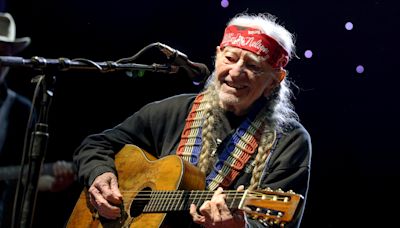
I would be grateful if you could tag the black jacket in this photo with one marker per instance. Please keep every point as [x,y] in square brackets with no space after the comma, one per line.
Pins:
[157,128]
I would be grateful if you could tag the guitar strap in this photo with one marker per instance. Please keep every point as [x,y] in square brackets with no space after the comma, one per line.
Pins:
[239,148]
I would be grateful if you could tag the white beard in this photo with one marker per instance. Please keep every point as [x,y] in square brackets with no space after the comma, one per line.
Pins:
[227,99]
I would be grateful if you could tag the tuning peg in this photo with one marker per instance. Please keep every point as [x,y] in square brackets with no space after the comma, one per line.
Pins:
[271,222]
[268,189]
[264,222]
[276,222]
[291,191]
[280,190]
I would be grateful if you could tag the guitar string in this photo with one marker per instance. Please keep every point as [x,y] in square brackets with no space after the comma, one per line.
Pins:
[198,195]
[177,196]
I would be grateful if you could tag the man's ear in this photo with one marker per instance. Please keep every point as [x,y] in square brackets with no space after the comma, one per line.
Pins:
[218,49]
[281,74]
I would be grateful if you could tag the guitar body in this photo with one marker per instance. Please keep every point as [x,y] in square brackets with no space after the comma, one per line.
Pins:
[138,171]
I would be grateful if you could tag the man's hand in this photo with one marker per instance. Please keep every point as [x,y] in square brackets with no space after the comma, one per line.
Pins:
[215,212]
[104,195]
[61,177]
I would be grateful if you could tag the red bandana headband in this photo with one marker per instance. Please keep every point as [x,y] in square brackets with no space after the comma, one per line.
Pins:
[257,42]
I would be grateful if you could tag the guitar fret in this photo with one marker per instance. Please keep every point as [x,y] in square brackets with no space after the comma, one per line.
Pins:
[193,196]
[198,198]
[164,200]
[146,208]
[149,205]
[154,200]
[184,200]
[161,201]
[235,200]
[158,201]
[151,202]
[171,200]
[176,202]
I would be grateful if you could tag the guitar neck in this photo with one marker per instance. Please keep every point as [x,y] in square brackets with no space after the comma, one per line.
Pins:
[170,201]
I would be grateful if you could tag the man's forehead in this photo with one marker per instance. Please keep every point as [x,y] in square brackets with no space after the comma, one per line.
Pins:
[244,52]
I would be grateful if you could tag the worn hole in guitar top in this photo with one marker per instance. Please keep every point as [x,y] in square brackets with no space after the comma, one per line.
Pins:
[139,202]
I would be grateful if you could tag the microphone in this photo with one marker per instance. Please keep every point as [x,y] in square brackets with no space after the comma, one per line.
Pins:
[198,72]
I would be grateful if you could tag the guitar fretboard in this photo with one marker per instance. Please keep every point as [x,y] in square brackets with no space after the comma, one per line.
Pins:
[169,201]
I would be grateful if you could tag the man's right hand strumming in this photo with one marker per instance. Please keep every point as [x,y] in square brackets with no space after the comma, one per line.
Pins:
[104,195]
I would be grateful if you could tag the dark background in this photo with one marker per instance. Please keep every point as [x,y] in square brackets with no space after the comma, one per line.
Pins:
[352,118]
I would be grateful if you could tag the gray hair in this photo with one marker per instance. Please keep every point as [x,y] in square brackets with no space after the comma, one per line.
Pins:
[280,106]
[268,24]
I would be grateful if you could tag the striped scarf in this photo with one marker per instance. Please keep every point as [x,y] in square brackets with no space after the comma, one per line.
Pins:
[238,149]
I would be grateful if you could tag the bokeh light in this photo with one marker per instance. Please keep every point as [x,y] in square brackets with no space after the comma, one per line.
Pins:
[348,26]
[224,3]
[308,54]
[360,69]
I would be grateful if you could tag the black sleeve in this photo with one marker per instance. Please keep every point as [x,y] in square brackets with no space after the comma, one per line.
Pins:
[289,168]
[155,128]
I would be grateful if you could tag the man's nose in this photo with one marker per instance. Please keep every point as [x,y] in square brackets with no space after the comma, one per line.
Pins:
[237,69]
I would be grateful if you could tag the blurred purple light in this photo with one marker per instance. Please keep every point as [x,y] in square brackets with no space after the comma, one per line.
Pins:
[308,54]
[224,3]
[349,26]
[360,69]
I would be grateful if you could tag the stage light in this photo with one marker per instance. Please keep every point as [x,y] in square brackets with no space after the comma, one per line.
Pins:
[225,3]
[349,26]
[360,69]
[308,54]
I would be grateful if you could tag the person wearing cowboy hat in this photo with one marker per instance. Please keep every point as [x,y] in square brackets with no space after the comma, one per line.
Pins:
[14,115]
[14,111]
[9,44]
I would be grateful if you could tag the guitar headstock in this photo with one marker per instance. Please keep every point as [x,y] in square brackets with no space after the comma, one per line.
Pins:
[269,206]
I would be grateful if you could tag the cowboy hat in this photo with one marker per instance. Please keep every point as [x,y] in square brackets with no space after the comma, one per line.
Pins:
[8,42]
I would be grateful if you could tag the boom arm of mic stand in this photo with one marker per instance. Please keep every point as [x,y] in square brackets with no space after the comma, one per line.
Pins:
[64,64]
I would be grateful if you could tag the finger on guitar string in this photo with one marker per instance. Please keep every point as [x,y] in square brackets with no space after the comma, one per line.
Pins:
[217,214]
[219,209]
[240,188]
[104,208]
[197,218]
[107,184]
[115,190]
[104,195]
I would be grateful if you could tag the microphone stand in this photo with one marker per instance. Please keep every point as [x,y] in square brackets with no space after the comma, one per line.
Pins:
[40,134]
[37,151]
[64,64]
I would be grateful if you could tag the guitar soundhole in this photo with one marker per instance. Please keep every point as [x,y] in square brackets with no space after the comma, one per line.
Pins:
[139,202]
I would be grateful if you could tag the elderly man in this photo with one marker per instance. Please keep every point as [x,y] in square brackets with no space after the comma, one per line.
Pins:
[241,131]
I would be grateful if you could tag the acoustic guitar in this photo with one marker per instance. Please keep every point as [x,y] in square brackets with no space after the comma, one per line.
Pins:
[156,190]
